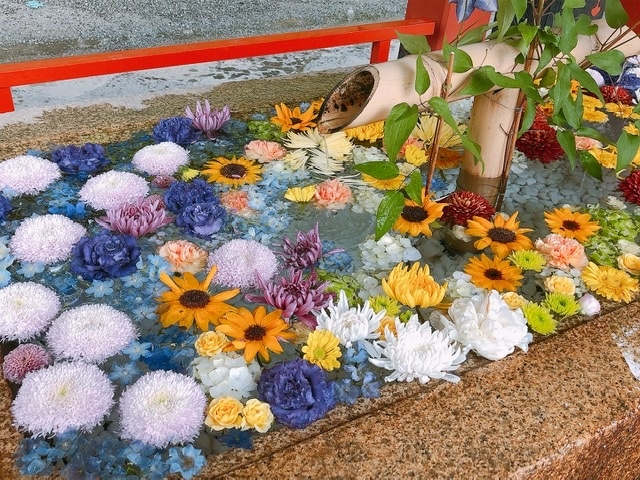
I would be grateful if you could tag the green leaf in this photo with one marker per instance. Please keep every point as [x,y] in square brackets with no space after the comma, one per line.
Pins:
[479,83]
[398,126]
[519,7]
[502,80]
[383,170]
[592,133]
[423,81]
[414,187]
[388,212]
[473,147]
[615,14]
[627,148]
[585,80]
[528,33]
[610,61]
[528,116]
[585,26]
[414,44]
[505,16]
[573,3]
[568,37]
[549,52]
[462,61]
[475,35]
[572,110]
[441,107]
[590,164]
[567,141]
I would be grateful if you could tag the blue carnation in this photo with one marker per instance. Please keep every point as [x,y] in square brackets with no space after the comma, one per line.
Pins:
[177,130]
[88,158]
[202,219]
[107,255]
[180,194]
[5,207]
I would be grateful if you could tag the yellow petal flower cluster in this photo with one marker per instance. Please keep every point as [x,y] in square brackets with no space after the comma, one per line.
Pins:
[426,129]
[228,412]
[371,132]
[300,194]
[610,282]
[413,287]
[322,349]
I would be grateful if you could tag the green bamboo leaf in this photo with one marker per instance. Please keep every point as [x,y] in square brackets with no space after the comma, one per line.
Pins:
[502,80]
[528,116]
[423,81]
[627,148]
[615,14]
[572,110]
[519,7]
[383,170]
[388,212]
[414,187]
[398,126]
[568,38]
[528,34]
[590,164]
[414,44]
[610,61]
[567,141]
[475,35]
[479,83]
[573,3]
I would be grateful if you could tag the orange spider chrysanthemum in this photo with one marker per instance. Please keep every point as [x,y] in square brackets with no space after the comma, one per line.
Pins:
[189,300]
[502,235]
[295,119]
[494,273]
[570,224]
[416,219]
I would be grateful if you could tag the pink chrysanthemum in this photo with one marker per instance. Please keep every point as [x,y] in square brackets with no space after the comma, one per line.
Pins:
[27,309]
[27,174]
[111,189]
[162,408]
[137,217]
[163,158]
[242,263]
[64,396]
[630,187]
[264,151]
[206,119]
[91,333]
[45,238]
[463,206]
[23,359]
[305,253]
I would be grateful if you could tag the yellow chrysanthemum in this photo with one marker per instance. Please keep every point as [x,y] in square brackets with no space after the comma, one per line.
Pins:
[416,219]
[390,184]
[189,300]
[371,132]
[235,171]
[570,224]
[591,102]
[415,155]
[257,333]
[295,119]
[594,116]
[323,349]
[300,194]
[631,129]
[426,129]
[621,111]
[610,282]
[448,158]
[493,273]
[188,174]
[413,287]
[607,156]
[502,235]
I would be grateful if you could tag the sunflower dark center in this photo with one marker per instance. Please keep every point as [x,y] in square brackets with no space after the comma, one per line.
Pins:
[501,235]
[493,274]
[571,225]
[414,214]
[255,332]
[194,299]
[233,170]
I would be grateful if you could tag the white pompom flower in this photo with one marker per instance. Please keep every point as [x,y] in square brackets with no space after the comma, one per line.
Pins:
[111,189]
[27,310]
[163,158]
[28,174]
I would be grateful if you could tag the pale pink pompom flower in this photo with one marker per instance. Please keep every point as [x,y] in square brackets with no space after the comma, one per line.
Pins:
[333,194]
[184,256]
[24,359]
[561,252]
[264,151]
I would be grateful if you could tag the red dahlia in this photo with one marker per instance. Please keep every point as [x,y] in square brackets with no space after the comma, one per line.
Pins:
[539,142]
[614,94]
[630,187]
[463,206]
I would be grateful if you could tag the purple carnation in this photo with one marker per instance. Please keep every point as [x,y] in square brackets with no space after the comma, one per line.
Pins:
[5,207]
[107,255]
[138,217]
[88,158]
[202,219]
[180,194]
[24,359]
[177,130]
[298,392]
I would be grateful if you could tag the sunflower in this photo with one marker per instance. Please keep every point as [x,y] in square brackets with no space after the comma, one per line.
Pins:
[610,282]
[235,171]
[189,300]
[493,274]
[295,119]
[413,287]
[415,219]
[502,235]
[570,224]
[256,332]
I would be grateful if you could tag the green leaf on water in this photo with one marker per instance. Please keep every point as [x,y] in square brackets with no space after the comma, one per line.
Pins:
[388,212]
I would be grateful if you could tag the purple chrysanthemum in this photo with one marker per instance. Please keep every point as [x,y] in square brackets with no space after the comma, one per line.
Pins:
[28,174]
[242,263]
[162,408]
[23,359]
[206,119]
[296,296]
[45,238]
[137,217]
[111,189]
[27,309]
[161,159]
[91,333]
[64,396]
[306,252]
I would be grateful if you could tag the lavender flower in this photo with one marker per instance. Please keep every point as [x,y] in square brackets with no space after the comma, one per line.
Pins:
[88,158]
[202,219]
[138,217]
[24,359]
[208,120]
[305,253]
[27,309]
[107,255]
[241,263]
[175,129]
[5,207]
[110,189]
[161,159]
[180,194]
[28,174]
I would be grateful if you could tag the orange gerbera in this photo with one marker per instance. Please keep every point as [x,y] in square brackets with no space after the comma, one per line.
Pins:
[502,235]
[570,224]
[295,119]
[493,273]
[416,219]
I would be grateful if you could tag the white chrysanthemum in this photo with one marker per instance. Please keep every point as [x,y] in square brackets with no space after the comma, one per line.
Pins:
[162,408]
[486,325]
[323,153]
[241,262]
[416,352]
[359,324]
[45,238]
[111,189]
[163,158]
[226,374]
[64,396]
[27,174]
[91,333]
[27,308]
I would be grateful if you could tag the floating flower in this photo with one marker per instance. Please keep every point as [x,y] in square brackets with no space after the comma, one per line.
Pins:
[28,174]
[493,273]
[264,151]
[502,235]
[257,333]
[630,263]
[415,154]
[202,220]
[137,217]
[616,94]
[559,284]
[180,194]
[111,189]
[333,194]
[630,187]
[607,156]
[295,119]
[257,415]
[461,206]
[24,359]
[46,238]
[514,300]
[570,224]
[224,412]
[561,304]
[236,202]
[90,333]
[27,310]
[301,194]
[416,219]
[189,300]
[610,282]
[426,129]
[226,374]
[163,158]
[206,119]
[386,184]
[325,154]
[487,325]
[243,263]
[5,207]
[88,158]
[413,287]
[416,352]
[178,130]
[562,252]
[62,397]
[105,255]
[589,305]
[540,141]
[371,132]
[305,253]
[539,318]
[184,256]
[322,349]
[531,260]
[211,343]
[234,172]
[162,408]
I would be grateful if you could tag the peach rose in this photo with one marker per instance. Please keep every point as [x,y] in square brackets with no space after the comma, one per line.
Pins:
[563,253]
[236,201]
[257,415]
[264,151]
[556,283]
[587,143]
[333,194]
[224,412]
[630,263]
[211,343]
[184,256]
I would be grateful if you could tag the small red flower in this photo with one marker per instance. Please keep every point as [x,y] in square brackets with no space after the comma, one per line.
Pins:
[463,206]
[630,187]
[615,94]
[539,142]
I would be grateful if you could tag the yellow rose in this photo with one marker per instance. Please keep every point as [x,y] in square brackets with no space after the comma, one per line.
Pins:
[224,412]
[257,415]
[556,283]
[513,300]
[211,343]
[630,263]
